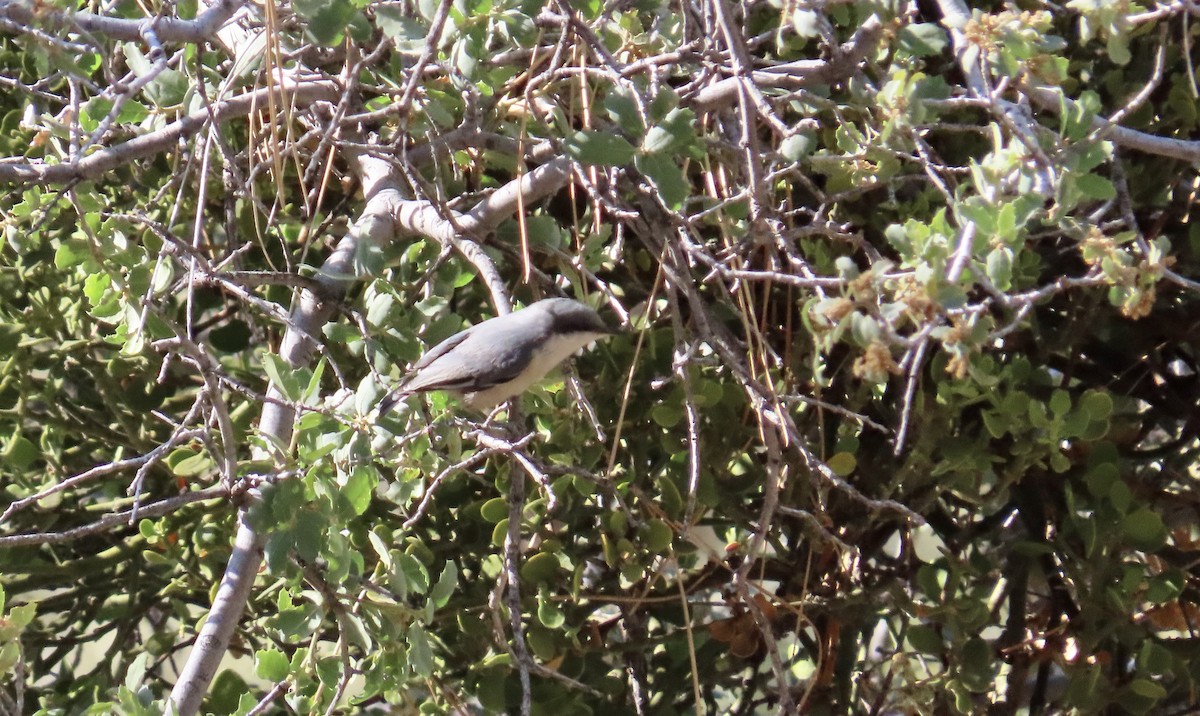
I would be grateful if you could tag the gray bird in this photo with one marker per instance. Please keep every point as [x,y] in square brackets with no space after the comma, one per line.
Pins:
[502,357]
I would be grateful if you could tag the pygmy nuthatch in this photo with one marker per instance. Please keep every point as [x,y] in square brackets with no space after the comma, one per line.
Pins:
[500,358]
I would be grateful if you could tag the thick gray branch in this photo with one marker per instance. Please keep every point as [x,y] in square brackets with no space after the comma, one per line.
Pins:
[312,311]
[385,215]
[168,29]
[1052,100]
[796,75]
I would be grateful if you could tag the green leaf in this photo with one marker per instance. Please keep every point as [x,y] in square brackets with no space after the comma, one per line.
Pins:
[999,267]
[669,500]
[1147,689]
[465,55]
[981,213]
[189,462]
[95,287]
[356,632]
[1075,424]
[283,376]
[309,534]
[271,665]
[843,464]
[662,104]
[996,424]
[798,146]
[10,654]
[658,140]
[1120,496]
[169,88]
[379,308]
[667,416]
[415,573]
[314,382]
[1165,587]
[673,134]
[71,253]
[657,536]
[543,230]
[1101,478]
[666,176]
[494,510]
[1097,404]
[951,296]
[500,532]
[283,499]
[440,594]
[923,39]
[1092,186]
[1118,49]
[10,338]
[399,26]
[359,488]
[925,638]
[1060,402]
[543,643]
[978,669]
[623,110]
[326,18]
[549,613]
[1084,689]
[136,672]
[420,655]
[1075,117]
[20,452]
[1155,658]
[1144,527]
[599,148]
[132,113]
[541,567]
[490,687]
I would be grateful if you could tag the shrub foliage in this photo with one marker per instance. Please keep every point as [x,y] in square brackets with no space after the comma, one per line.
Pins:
[904,418]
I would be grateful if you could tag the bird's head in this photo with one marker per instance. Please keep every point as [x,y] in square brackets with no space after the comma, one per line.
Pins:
[569,316]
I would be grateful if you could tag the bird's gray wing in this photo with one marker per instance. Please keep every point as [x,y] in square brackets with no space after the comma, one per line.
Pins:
[477,362]
[442,348]
[421,377]
[503,367]
[439,368]
[415,381]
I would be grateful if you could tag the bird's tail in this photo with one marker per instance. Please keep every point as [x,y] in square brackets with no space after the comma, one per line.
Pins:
[391,399]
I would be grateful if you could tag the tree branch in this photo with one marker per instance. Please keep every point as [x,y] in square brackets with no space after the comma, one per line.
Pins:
[97,163]
[795,75]
[154,509]
[168,29]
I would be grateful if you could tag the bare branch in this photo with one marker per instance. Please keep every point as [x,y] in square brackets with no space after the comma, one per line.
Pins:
[97,163]
[796,75]
[114,519]
[168,29]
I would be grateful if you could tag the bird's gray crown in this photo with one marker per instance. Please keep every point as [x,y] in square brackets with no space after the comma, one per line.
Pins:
[571,316]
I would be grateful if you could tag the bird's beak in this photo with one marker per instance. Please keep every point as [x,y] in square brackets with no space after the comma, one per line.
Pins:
[618,331]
